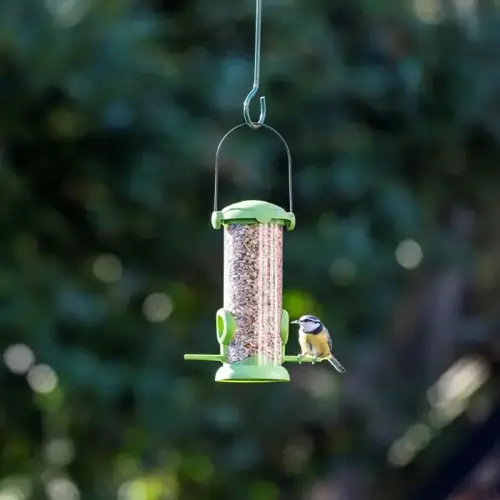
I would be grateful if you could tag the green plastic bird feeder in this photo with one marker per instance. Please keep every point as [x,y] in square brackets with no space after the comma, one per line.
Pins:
[252,326]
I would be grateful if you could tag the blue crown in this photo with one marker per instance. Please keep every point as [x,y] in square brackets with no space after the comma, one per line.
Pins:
[309,317]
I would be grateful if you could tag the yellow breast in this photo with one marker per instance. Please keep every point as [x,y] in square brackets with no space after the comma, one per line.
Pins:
[320,343]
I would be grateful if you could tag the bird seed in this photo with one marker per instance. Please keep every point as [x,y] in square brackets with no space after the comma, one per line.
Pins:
[253,267]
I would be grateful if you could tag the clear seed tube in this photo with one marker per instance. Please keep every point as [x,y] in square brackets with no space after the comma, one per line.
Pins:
[253,283]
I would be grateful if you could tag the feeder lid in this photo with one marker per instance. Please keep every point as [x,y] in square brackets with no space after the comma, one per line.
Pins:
[252,211]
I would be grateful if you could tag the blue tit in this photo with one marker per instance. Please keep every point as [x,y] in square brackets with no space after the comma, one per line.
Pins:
[315,340]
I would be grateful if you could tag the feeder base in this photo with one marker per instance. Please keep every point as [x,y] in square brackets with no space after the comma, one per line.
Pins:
[239,373]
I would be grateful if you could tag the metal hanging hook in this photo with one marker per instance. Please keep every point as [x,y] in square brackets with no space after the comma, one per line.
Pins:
[256,74]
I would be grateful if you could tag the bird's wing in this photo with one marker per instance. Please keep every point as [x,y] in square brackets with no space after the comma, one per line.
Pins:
[330,345]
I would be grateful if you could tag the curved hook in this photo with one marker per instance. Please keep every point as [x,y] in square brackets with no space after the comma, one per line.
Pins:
[246,109]
[256,74]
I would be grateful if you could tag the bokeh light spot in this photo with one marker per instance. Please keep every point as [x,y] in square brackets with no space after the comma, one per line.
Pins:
[409,254]
[12,493]
[157,307]
[16,488]
[420,432]
[429,11]
[62,489]
[67,13]
[399,455]
[132,490]
[149,488]
[108,268]
[18,358]
[59,452]
[42,379]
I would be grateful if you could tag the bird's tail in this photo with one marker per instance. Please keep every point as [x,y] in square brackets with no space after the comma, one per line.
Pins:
[336,364]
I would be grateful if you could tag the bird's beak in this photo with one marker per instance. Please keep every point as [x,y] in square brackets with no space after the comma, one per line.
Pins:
[296,322]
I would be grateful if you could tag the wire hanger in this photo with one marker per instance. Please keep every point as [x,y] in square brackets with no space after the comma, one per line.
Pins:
[246,113]
[256,74]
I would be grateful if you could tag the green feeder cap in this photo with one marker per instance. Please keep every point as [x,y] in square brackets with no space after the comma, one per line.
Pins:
[251,212]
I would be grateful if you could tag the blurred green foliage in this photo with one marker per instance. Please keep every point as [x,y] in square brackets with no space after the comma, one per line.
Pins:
[110,270]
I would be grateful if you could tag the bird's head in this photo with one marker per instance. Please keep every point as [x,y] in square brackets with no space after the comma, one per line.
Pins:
[309,324]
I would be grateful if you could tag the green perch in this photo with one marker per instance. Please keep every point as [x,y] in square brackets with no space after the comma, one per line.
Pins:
[218,357]
[250,370]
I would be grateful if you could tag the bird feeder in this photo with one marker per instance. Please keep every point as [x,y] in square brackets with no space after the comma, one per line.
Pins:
[252,326]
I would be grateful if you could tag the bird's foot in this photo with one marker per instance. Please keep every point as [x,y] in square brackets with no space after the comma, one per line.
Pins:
[315,359]
[300,356]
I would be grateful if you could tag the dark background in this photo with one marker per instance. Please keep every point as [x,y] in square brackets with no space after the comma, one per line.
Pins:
[110,114]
